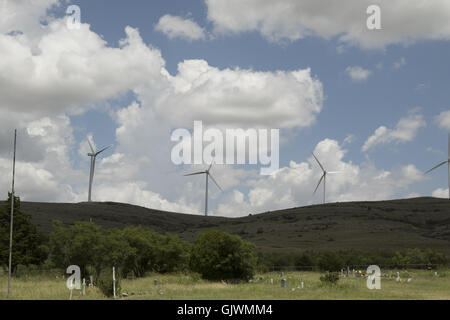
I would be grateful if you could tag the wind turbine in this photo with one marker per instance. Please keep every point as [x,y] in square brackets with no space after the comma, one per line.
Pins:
[323,177]
[442,163]
[93,155]
[208,175]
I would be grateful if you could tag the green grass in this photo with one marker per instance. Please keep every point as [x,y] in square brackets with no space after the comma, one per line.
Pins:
[177,286]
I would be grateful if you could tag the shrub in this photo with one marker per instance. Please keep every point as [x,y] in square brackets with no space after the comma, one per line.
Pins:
[195,277]
[218,255]
[105,283]
[330,278]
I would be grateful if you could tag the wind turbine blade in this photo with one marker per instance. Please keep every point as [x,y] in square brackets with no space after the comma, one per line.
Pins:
[212,178]
[210,166]
[90,145]
[334,172]
[440,164]
[449,146]
[321,178]
[102,150]
[191,174]
[318,162]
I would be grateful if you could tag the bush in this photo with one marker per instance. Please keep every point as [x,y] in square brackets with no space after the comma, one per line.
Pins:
[105,283]
[218,255]
[195,277]
[330,278]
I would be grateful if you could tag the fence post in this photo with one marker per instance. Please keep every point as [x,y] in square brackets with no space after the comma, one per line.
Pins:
[114,282]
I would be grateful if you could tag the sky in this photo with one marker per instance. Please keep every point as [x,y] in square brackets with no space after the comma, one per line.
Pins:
[371,104]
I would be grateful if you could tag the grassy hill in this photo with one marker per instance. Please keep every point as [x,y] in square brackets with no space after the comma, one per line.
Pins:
[394,224]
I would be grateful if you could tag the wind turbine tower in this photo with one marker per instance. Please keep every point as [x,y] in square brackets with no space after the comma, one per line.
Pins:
[208,175]
[323,177]
[93,154]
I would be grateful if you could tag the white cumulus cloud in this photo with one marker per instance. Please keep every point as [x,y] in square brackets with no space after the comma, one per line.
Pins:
[443,120]
[178,27]
[293,185]
[440,193]
[404,131]
[357,73]
[402,21]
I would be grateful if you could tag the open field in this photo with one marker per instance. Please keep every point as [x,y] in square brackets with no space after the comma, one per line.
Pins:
[424,285]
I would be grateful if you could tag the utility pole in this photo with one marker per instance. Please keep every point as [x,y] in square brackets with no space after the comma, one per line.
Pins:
[12,215]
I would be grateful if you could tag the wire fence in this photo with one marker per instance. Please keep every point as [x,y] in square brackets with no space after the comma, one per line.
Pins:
[358,267]
[31,271]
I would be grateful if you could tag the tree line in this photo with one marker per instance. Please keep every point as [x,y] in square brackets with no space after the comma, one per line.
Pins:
[337,260]
[133,251]
[137,250]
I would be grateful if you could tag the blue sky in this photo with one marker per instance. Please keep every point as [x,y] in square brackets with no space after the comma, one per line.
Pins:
[407,77]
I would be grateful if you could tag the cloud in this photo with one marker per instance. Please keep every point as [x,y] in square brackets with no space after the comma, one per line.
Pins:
[357,73]
[239,97]
[349,139]
[136,193]
[291,20]
[60,72]
[293,185]
[25,16]
[432,150]
[443,120]
[405,131]
[73,69]
[440,193]
[177,27]
[400,63]
[49,175]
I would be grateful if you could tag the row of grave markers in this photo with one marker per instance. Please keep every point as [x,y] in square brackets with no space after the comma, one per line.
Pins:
[73,281]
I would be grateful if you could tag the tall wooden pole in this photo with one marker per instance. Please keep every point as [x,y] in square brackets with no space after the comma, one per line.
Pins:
[12,215]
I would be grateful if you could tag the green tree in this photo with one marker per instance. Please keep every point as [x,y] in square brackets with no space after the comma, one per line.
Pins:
[146,249]
[80,244]
[28,244]
[115,251]
[173,254]
[305,259]
[218,255]
[330,261]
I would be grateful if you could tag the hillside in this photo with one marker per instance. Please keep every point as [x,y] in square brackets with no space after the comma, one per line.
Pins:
[394,224]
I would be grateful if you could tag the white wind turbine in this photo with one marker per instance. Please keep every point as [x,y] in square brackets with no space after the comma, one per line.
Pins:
[323,177]
[93,155]
[208,175]
[442,163]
